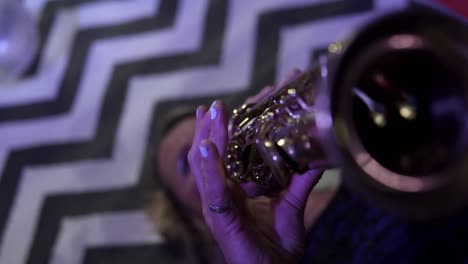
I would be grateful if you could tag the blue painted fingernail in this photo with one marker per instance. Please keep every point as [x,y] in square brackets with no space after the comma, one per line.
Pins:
[213,111]
[199,111]
[203,151]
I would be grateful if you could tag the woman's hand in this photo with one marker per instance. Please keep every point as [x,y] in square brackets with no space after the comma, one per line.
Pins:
[248,230]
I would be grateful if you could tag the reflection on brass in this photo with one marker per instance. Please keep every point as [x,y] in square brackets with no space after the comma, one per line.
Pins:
[275,134]
[388,106]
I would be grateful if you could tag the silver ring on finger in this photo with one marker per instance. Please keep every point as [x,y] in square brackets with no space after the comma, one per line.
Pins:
[220,209]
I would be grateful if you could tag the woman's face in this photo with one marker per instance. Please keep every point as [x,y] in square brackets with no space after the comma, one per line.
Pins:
[173,165]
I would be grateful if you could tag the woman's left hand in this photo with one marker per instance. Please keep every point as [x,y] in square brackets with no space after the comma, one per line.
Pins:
[248,230]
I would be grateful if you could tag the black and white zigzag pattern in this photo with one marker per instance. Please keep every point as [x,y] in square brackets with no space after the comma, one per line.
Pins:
[78,131]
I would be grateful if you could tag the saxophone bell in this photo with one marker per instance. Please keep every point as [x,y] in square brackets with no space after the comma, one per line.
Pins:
[389,107]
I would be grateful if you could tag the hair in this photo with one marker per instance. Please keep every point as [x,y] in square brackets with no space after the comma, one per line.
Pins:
[173,220]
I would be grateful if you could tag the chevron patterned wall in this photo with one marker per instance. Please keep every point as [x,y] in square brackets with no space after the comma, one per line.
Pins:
[78,131]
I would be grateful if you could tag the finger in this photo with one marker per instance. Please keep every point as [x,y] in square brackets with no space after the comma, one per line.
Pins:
[213,175]
[202,128]
[201,132]
[219,126]
[216,190]
[263,93]
[293,74]
[200,112]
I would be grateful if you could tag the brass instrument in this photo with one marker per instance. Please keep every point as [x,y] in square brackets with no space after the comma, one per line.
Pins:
[389,107]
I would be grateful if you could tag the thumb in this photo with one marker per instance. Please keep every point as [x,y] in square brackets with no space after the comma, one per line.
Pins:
[290,210]
[299,189]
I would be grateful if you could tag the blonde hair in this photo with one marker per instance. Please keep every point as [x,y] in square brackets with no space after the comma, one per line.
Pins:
[173,220]
[190,234]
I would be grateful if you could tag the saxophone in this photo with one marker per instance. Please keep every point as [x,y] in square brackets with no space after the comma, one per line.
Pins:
[389,107]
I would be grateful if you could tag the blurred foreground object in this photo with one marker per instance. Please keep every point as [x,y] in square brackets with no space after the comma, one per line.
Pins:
[389,106]
[19,40]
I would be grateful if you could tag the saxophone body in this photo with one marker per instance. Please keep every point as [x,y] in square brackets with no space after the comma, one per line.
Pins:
[276,137]
[389,107]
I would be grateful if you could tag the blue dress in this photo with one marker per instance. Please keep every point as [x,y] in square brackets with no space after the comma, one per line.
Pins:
[351,231]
